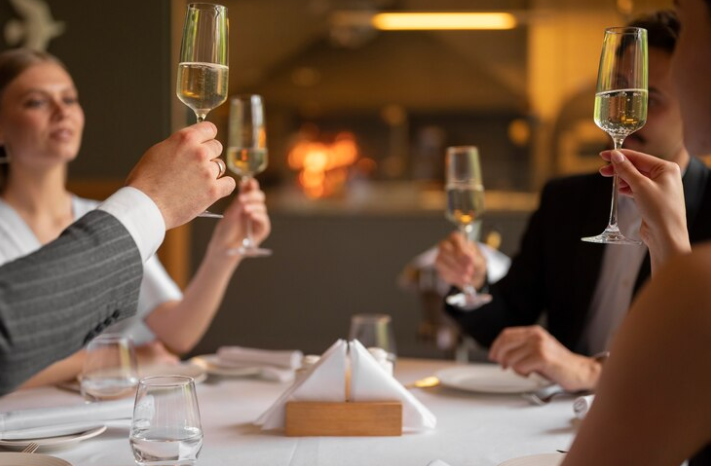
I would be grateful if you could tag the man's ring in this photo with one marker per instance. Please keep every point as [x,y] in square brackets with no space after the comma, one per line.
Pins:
[222,167]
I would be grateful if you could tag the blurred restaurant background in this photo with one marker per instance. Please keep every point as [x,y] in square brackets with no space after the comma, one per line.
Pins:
[358,120]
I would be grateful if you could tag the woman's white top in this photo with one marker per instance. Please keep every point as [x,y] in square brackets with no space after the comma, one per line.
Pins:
[17,240]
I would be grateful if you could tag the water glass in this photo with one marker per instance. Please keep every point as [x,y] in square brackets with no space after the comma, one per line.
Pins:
[166,428]
[110,368]
[374,331]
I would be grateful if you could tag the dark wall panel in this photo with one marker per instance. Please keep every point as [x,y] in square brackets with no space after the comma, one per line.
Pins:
[119,56]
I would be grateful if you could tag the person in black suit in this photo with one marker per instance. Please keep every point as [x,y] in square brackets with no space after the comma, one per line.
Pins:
[584,289]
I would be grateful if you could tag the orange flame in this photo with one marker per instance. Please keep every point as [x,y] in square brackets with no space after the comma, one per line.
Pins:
[323,167]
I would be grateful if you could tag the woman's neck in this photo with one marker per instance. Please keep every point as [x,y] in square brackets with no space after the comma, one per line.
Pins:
[41,199]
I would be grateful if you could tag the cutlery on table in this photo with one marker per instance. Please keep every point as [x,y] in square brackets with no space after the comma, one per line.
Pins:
[544,395]
[31,447]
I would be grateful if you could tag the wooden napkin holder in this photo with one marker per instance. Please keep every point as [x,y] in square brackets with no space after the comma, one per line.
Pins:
[343,419]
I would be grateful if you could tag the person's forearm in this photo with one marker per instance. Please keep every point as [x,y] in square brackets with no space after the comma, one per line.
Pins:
[672,244]
[181,324]
[65,370]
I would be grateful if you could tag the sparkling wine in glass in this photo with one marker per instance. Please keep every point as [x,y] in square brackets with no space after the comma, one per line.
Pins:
[166,428]
[203,70]
[620,103]
[247,153]
[465,205]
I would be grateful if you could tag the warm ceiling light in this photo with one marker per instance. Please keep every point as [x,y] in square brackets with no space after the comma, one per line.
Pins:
[439,21]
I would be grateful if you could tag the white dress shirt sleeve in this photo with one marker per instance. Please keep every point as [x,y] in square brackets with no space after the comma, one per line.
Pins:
[141,217]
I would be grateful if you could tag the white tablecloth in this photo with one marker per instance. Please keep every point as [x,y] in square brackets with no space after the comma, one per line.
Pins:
[472,429]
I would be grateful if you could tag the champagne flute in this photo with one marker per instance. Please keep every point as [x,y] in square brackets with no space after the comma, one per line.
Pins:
[620,103]
[465,204]
[203,70]
[247,154]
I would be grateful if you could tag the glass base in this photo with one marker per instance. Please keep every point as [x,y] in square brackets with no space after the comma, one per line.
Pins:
[208,214]
[611,236]
[467,301]
[249,252]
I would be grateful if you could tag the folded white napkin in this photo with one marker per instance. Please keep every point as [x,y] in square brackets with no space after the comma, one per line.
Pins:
[325,382]
[237,356]
[90,413]
[582,405]
[371,382]
[437,463]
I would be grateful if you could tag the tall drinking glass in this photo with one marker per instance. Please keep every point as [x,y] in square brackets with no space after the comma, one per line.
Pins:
[247,153]
[203,71]
[374,331]
[620,103]
[110,369]
[465,205]
[166,429]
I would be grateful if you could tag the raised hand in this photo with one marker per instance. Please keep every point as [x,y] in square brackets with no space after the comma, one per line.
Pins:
[180,174]
[656,186]
[460,262]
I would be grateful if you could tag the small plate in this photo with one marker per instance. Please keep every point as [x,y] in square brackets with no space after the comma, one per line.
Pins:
[545,459]
[30,459]
[211,363]
[489,378]
[58,440]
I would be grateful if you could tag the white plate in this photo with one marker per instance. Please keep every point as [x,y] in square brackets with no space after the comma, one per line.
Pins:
[546,459]
[488,378]
[211,363]
[30,459]
[58,440]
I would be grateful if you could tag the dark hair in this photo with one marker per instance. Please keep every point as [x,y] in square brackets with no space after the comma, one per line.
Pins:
[662,29]
[13,63]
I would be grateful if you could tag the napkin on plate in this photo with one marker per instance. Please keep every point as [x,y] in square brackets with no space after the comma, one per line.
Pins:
[237,356]
[325,382]
[370,382]
[582,405]
[12,422]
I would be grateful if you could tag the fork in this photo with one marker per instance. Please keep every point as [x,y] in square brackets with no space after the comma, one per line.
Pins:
[544,395]
[31,447]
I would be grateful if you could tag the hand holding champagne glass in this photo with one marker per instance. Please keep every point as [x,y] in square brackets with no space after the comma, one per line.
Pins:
[247,153]
[465,204]
[203,71]
[620,103]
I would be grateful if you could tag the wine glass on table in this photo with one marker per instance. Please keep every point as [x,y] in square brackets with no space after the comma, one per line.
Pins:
[247,154]
[465,204]
[203,70]
[166,428]
[620,103]
[110,369]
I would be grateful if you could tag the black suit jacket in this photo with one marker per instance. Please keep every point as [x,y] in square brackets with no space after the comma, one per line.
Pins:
[555,272]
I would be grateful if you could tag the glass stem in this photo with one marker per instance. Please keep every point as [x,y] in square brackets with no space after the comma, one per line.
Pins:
[247,242]
[466,232]
[612,224]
